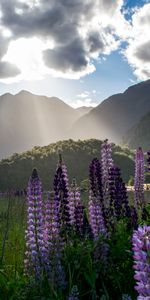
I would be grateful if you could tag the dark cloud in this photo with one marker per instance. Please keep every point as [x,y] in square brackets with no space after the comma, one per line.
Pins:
[95,42]
[146,73]
[69,57]
[49,19]
[143,52]
[61,22]
[8,70]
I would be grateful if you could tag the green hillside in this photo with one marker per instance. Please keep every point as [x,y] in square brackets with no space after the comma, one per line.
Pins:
[139,135]
[15,170]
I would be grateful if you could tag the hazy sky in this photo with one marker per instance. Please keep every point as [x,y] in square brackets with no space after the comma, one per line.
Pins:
[78,50]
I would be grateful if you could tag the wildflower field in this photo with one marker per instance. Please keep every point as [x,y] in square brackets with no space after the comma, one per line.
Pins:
[69,244]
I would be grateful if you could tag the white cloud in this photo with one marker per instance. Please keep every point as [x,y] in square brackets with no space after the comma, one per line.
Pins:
[66,39]
[89,102]
[83,95]
[81,33]
[86,98]
[27,55]
[138,49]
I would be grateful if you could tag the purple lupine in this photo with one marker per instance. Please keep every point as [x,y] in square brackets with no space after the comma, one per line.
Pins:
[119,205]
[125,201]
[139,200]
[35,256]
[133,220]
[106,163]
[96,220]
[74,200]
[53,241]
[141,249]
[61,191]
[79,217]
[95,178]
[76,209]
[74,293]
[96,217]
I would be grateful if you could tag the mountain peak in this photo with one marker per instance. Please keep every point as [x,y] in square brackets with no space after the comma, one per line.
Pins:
[24,92]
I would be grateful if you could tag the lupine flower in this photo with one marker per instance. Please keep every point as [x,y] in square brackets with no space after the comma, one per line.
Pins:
[96,216]
[74,200]
[53,241]
[125,201]
[141,248]
[79,217]
[62,192]
[35,256]
[106,163]
[96,188]
[133,221]
[74,293]
[119,205]
[95,177]
[139,179]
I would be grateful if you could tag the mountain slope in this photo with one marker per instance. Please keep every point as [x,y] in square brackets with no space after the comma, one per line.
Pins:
[139,135]
[115,115]
[83,110]
[15,170]
[27,120]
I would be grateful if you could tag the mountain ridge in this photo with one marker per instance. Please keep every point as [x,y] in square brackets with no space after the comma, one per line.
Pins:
[139,135]
[115,115]
[28,120]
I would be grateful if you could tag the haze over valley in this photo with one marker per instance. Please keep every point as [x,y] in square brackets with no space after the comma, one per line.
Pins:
[28,120]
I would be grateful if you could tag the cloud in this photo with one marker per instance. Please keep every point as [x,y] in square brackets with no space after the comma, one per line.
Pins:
[73,36]
[142,52]
[8,70]
[74,33]
[89,102]
[86,98]
[68,57]
[83,95]
[138,49]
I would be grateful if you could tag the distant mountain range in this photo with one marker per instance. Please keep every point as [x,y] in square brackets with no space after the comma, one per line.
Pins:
[116,115]
[28,120]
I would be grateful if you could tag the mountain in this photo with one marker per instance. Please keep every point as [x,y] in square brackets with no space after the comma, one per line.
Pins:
[139,135]
[116,115]
[27,120]
[83,110]
[15,170]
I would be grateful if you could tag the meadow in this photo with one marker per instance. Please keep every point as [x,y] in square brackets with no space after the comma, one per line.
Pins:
[94,264]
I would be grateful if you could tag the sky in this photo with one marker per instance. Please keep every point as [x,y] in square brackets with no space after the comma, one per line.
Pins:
[79,51]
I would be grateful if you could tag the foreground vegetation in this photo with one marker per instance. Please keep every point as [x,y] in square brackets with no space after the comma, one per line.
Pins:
[79,269]
[88,251]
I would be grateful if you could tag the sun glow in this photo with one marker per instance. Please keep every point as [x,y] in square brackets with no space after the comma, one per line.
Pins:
[26,54]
